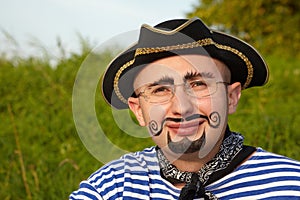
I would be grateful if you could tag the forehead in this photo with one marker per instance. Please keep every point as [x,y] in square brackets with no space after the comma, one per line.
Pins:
[176,67]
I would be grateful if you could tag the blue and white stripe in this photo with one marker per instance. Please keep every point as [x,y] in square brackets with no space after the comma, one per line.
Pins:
[137,176]
[263,176]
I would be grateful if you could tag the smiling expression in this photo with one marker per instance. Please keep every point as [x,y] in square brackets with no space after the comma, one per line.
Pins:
[182,123]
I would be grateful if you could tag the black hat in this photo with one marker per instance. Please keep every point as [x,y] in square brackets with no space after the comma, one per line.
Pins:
[178,37]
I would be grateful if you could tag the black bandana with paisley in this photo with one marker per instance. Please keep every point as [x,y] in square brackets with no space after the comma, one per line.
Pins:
[230,147]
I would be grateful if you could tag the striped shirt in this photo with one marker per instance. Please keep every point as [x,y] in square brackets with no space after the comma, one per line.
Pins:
[137,176]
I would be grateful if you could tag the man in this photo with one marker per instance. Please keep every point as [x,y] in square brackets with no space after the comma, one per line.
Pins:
[181,80]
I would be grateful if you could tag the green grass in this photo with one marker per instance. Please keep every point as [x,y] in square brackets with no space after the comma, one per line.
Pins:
[44,158]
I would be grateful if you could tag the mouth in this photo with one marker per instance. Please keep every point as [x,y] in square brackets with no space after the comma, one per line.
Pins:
[185,128]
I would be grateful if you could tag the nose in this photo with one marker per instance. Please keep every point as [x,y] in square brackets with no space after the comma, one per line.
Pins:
[182,103]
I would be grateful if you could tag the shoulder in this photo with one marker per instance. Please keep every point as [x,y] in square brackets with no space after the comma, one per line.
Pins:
[109,179]
[139,161]
[263,157]
[263,175]
[270,166]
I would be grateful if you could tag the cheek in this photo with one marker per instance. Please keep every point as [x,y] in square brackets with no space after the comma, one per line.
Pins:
[156,117]
[218,112]
[156,113]
[217,103]
[155,126]
[204,106]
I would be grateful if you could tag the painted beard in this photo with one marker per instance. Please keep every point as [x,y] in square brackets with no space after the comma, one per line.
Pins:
[185,145]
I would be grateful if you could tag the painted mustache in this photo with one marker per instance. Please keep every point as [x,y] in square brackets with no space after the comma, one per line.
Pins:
[213,120]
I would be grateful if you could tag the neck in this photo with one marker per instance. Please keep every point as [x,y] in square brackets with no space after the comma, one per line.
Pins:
[190,171]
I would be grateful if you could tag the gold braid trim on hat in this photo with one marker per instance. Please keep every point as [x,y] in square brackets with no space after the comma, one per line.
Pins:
[203,42]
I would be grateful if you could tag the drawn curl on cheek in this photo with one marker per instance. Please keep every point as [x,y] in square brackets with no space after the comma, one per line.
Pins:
[153,127]
[215,119]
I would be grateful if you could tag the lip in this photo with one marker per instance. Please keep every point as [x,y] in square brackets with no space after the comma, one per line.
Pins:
[184,128]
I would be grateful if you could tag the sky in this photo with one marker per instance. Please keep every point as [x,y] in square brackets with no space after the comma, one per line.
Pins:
[38,23]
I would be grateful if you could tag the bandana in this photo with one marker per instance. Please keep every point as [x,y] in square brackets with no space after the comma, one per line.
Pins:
[196,181]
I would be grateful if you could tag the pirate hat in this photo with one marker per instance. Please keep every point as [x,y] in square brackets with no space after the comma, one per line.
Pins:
[179,37]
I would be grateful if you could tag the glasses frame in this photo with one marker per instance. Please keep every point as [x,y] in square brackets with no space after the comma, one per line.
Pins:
[173,87]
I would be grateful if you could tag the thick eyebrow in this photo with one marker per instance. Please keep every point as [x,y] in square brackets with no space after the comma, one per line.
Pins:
[187,76]
[193,75]
[163,80]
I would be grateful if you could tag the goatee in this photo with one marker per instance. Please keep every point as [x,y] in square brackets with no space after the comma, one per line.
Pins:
[185,145]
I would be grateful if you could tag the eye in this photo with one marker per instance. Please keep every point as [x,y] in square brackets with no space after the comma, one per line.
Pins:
[160,90]
[198,84]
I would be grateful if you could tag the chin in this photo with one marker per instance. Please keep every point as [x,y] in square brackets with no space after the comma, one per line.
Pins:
[185,145]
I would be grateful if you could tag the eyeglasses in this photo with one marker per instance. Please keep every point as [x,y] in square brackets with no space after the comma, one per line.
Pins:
[163,93]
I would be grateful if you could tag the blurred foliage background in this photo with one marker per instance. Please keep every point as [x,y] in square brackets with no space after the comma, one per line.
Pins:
[272,26]
[42,155]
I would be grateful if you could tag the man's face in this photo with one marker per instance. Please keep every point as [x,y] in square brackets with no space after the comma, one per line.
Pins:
[184,103]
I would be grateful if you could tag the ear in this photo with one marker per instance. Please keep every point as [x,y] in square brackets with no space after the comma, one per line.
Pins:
[134,105]
[234,94]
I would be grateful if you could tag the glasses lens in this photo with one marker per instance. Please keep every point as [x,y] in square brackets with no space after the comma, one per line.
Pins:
[201,88]
[159,93]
